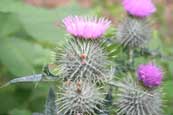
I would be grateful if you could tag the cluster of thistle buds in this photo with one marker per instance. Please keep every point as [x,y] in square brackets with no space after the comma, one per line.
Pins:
[83,63]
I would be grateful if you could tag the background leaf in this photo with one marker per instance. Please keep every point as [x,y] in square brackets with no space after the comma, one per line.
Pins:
[12,57]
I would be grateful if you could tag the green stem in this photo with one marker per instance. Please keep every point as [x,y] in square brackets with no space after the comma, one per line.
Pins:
[130,56]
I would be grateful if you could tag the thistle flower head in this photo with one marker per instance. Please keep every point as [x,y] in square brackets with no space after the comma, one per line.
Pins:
[83,60]
[86,27]
[133,33]
[150,74]
[79,98]
[139,8]
[135,100]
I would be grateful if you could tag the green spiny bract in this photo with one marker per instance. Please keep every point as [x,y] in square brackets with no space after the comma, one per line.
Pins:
[83,60]
[133,32]
[79,98]
[133,99]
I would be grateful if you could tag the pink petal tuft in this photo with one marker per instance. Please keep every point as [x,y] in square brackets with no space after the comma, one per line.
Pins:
[150,74]
[140,8]
[86,27]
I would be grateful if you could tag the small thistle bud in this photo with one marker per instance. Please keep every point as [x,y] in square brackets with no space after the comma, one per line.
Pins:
[139,8]
[68,82]
[135,100]
[150,75]
[83,60]
[80,98]
[83,56]
[86,27]
[133,33]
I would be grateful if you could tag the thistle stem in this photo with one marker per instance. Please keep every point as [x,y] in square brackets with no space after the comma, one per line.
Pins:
[130,56]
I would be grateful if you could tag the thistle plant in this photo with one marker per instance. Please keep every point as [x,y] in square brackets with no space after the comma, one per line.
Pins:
[140,95]
[85,69]
[83,57]
[134,30]
[83,62]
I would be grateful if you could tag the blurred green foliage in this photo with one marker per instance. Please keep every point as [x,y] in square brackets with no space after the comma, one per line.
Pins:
[27,36]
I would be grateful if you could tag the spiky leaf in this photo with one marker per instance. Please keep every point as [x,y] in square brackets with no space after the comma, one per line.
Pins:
[31,78]
[50,107]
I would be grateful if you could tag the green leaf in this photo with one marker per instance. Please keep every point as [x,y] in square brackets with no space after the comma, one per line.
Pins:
[7,6]
[8,100]
[168,89]
[156,42]
[34,53]
[21,56]
[41,23]
[12,57]
[32,78]
[50,107]
[167,86]
[9,24]
[20,112]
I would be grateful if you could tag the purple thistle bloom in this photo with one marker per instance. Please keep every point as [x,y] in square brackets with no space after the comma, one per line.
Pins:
[139,8]
[150,75]
[86,27]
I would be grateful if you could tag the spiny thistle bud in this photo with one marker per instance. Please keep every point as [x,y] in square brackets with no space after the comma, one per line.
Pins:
[135,100]
[83,60]
[86,27]
[79,98]
[139,8]
[133,33]
[150,75]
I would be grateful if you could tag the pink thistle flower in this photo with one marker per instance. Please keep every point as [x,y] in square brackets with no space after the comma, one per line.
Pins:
[150,75]
[86,27]
[139,8]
